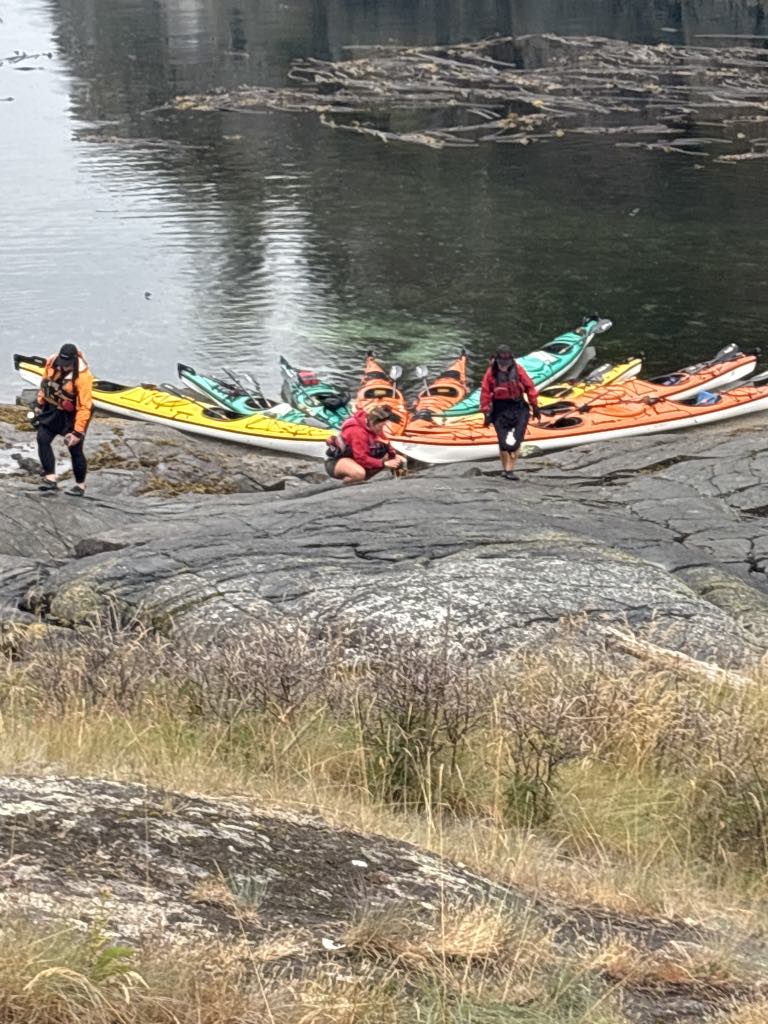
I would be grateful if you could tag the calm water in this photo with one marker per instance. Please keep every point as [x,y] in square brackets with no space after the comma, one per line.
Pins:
[265,234]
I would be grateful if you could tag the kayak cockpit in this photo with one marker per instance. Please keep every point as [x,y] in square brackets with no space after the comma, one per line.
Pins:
[702,398]
[216,413]
[444,391]
[557,348]
[564,423]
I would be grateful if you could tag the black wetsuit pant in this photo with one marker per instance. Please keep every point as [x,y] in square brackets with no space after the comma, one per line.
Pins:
[510,416]
[55,424]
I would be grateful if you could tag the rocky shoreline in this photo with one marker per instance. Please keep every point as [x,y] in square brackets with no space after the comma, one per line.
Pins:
[647,556]
[664,539]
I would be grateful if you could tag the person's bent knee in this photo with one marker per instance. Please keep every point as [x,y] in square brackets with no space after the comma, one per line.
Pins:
[348,469]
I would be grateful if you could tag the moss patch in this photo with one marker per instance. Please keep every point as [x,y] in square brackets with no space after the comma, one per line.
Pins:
[16,415]
[172,488]
[109,457]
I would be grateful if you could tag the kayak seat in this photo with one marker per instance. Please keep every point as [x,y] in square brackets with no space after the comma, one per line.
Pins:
[565,423]
[333,402]
[373,393]
[706,398]
[443,391]
[668,380]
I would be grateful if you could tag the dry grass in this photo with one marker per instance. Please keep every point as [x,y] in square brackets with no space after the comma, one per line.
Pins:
[643,793]
[675,965]
[66,977]
[751,1013]
[473,933]
[69,977]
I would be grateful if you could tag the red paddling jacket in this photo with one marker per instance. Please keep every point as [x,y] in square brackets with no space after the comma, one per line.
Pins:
[505,386]
[368,449]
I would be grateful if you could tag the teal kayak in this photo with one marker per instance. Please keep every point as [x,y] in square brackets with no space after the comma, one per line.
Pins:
[314,397]
[242,395]
[547,364]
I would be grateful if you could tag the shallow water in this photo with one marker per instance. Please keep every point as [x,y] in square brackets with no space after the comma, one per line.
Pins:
[8,464]
[227,239]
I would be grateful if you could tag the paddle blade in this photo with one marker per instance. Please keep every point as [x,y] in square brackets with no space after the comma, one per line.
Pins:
[396,372]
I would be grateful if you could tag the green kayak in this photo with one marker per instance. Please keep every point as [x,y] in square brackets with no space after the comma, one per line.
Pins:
[243,395]
[547,364]
[314,397]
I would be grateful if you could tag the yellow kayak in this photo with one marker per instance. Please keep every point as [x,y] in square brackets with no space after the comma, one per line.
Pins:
[158,405]
[575,391]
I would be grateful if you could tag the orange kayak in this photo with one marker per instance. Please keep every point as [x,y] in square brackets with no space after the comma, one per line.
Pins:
[449,388]
[728,366]
[378,388]
[629,420]
[620,410]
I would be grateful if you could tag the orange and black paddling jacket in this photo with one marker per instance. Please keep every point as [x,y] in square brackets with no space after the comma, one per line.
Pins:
[71,392]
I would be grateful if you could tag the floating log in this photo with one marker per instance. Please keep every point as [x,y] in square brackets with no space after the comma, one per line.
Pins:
[523,89]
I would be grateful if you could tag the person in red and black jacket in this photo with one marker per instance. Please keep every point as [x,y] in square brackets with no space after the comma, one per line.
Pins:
[503,394]
[360,451]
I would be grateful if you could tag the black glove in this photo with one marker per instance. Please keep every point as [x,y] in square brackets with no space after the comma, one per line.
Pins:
[487,419]
[536,412]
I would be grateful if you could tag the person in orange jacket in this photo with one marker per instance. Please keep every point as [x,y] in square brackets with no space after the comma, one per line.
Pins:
[63,409]
[503,395]
[360,450]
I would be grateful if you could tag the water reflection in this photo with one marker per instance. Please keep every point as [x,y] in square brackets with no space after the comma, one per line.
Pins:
[266,233]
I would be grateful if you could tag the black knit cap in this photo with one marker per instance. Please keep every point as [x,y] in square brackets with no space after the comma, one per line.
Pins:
[68,352]
[504,356]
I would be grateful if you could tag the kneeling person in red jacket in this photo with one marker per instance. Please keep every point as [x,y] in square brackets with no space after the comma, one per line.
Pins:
[505,387]
[360,451]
